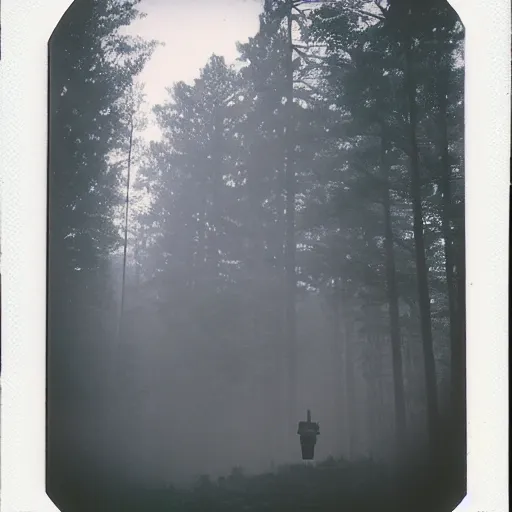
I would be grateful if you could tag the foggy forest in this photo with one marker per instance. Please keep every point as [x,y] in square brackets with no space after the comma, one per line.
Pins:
[289,237]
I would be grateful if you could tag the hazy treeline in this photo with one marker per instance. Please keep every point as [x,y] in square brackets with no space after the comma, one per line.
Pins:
[295,240]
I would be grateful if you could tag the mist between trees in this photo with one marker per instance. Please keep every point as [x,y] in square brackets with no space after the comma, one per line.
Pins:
[294,240]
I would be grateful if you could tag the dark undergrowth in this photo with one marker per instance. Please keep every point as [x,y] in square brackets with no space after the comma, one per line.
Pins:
[331,485]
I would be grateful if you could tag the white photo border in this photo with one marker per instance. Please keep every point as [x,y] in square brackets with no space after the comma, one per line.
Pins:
[26,28]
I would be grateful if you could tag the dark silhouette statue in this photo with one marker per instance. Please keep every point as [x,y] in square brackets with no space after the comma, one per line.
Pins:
[308,432]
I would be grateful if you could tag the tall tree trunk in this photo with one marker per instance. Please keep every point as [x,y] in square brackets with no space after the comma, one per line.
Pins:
[394,313]
[126,216]
[458,355]
[349,389]
[136,257]
[419,242]
[279,233]
[261,279]
[342,423]
[373,377]
[446,222]
[276,246]
[120,352]
[455,277]
[339,363]
[371,424]
[458,364]
[290,248]
[348,371]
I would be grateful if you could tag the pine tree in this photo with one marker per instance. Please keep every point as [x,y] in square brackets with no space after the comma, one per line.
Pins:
[91,66]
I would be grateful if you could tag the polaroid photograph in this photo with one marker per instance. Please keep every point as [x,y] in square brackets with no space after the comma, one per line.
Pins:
[254,255]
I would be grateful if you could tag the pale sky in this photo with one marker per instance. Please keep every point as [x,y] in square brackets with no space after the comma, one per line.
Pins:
[192,31]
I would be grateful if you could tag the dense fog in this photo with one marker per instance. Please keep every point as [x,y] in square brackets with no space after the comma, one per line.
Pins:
[281,231]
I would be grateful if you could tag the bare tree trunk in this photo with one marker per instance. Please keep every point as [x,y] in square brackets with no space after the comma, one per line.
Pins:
[136,257]
[421,261]
[290,248]
[394,313]
[121,353]
[126,215]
